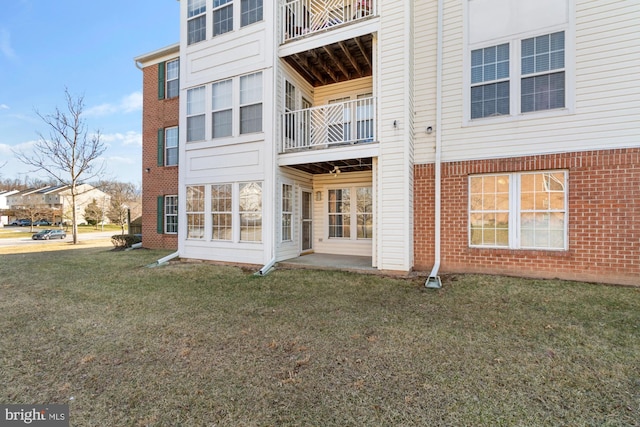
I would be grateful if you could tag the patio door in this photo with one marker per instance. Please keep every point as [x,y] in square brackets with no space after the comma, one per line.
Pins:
[307,221]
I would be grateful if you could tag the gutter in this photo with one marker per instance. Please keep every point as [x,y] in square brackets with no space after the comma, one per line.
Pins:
[266,268]
[163,260]
[433,281]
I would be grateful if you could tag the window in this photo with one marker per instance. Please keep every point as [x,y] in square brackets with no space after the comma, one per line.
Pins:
[251,103]
[490,81]
[364,117]
[173,78]
[339,213]
[251,11]
[222,16]
[289,107]
[543,72]
[518,210]
[196,21]
[339,119]
[342,224]
[222,101]
[287,212]
[250,210]
[364,213]
[195,114]
[171,214]
[195,212]
[221,212]
[171,146]
[541,83]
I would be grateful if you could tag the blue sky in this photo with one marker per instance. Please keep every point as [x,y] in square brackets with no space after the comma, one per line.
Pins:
[87,47]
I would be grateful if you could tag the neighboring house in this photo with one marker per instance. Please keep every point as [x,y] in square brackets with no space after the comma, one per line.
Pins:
[4,205]
[161,85]
[490,136]
[57,199]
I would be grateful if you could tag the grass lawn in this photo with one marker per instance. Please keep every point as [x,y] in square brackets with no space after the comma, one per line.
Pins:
[194,344]
[15,232]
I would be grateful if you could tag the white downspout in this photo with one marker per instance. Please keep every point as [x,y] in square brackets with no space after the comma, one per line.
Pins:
[164,259]
[433,281]
[267,268]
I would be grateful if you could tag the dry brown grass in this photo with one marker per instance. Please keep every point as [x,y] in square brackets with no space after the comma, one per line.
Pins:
[202,345]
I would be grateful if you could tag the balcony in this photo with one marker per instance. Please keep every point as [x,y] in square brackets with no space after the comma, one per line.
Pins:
[331,125]
[303,17]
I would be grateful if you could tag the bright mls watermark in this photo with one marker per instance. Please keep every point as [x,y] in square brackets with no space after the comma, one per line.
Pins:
[34,415]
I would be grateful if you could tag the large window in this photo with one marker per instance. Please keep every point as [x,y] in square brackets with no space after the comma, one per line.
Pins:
[251,103]
[342,206]
[195,114]
[195,212]
[540,70]
[171,146]
[518,210]
[222,102]
[173,78]
[250,212]
[222,16]
[196,21]
[287,212]
[171,214]
[251,11]
[221,212]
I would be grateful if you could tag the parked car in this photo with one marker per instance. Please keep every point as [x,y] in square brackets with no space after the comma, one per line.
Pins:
[49,234]
[21,222]
[42,222]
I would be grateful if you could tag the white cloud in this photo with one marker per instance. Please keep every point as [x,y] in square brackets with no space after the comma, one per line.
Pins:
[128,104]
[123,139]
[4,107]
[5,44]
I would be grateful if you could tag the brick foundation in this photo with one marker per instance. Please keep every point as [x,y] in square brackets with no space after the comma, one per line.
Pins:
[603,215]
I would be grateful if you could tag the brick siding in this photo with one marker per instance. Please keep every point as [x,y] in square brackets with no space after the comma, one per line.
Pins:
[603,215]
[159,181]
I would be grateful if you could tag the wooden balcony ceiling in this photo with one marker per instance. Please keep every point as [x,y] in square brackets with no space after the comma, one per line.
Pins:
[334,63]
[345,166]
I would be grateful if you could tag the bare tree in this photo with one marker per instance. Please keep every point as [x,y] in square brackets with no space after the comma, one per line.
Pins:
[69,154]
[121,194]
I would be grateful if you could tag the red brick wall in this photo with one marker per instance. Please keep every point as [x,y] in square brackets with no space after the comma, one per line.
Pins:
[603,215]
[159,181]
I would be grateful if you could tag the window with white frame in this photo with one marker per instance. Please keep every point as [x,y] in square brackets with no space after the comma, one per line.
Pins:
[173,78]
[543,76]
[196,21]
[364,212]
[341,206]
[222,102]
[339,213]
[250,211]
[251,103]
[222,16]
[250,12]
[171,214]
[526,210]
[540,70]
[287,212]
[490,81]
[195,212]
[289,106]
[171,146]
[221,212]
[195,114]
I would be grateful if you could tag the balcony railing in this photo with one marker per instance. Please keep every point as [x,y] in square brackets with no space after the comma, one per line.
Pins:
[302,17]
[330,125]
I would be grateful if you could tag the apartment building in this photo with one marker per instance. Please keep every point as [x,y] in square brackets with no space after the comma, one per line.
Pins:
[160,94]
[491,136]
